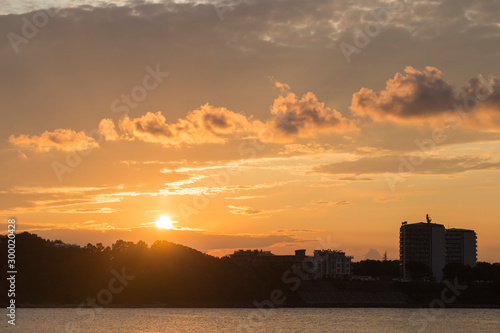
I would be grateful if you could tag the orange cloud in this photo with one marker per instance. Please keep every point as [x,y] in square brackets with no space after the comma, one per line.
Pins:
[424,97]
[291,118]
[305,117]
[406,97]
[108,130]
[60,139]
[330,203]
[208,124]
[239,210]
[283,87]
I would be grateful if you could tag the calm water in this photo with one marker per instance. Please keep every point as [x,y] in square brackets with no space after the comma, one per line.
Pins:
[235,320]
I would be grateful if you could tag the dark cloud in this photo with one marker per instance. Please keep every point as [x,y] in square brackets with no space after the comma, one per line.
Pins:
[294,117]
[416,94]
[373,255]
[426,97]
[89,56]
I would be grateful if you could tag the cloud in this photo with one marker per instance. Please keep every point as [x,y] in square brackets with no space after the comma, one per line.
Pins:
[305,117]
[54,190]
[239,210]
[308,149]
[373,255]
[283,34]
[246,197]
[107,129]
[60,139]
[283,87]
[290,118]
[87,225]
[104,210]
[432,165]
[424,97]
[330,203]
[67,199]
[208,124]
[406,97]
[297,230]
[356,179]
[385,199]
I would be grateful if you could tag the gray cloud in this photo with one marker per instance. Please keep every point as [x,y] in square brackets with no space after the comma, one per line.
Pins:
[416,94]
[373,255]
[424,96]
[86,57]
[294,117]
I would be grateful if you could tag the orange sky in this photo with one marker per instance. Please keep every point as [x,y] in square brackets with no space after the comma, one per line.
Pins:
[252,127]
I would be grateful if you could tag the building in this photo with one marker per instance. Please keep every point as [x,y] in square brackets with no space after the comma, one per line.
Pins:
[422,242]
[461,246]
[249,256]
[332,264]
[433,245]
[327,263]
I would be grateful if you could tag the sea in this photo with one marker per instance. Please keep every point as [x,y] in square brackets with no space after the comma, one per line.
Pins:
[309,320]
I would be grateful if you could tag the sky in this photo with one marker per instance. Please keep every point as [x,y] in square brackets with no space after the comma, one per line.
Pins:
[275,125]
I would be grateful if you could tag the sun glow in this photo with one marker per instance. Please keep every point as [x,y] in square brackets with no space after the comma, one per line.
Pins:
[164,222]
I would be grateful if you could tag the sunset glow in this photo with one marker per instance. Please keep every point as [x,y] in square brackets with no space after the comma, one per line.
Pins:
[270,125]
[164,222]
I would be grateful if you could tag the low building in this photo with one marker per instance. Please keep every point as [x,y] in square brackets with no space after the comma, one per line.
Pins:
[249,256]
[327,263]
[332,264]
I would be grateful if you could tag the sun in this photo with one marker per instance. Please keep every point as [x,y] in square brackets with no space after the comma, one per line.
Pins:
[164,222]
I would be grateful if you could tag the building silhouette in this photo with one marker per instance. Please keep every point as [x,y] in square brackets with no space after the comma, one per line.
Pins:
[461,247]
[326,263]
[434,246]
[423,243]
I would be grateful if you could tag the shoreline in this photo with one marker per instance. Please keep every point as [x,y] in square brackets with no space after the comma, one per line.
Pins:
[298,306]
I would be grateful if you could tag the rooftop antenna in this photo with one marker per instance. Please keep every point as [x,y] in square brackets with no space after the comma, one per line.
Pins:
[428,218]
